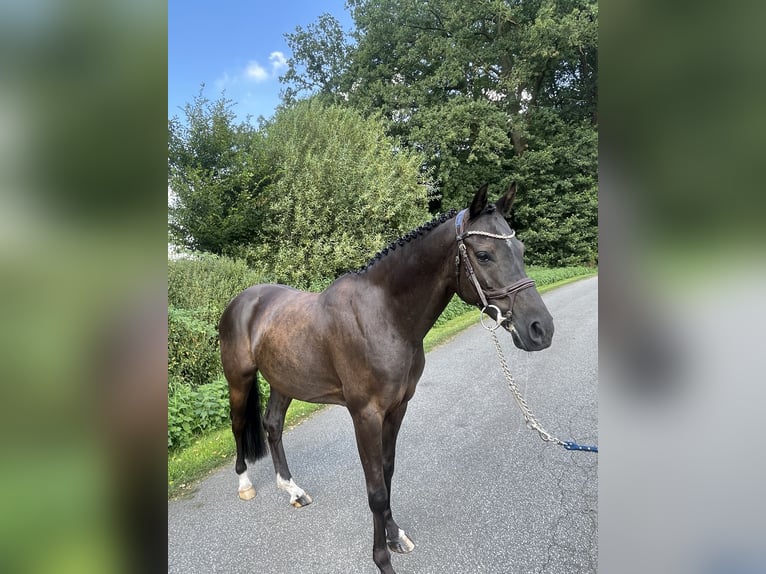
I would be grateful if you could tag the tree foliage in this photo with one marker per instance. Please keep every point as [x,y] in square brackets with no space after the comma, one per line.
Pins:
[558,211]
[217,174]
[307,195]
[319,63]
[342,189]
[487,91]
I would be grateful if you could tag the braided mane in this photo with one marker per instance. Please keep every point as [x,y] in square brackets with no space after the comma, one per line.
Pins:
[404,239]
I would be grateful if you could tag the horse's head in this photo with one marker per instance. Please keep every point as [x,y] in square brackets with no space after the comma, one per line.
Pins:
[491,272]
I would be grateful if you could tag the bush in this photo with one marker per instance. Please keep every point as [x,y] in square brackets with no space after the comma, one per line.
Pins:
[217,174]
[342,190]
[455,308]
[199,288]
[193,356]
[206,283]
[192,411]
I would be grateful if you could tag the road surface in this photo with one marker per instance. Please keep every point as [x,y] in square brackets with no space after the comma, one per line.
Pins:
[474,488]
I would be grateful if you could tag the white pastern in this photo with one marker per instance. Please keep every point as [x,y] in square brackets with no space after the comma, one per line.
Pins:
[402,544]
[289,486]
[246,490]
[244,482]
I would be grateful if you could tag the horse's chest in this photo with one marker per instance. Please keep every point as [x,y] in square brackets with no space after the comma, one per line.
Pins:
[411,368]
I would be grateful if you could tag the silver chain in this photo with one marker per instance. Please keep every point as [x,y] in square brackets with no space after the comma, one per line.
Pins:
[530,419]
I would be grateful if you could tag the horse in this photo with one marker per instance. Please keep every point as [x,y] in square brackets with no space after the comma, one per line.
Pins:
[359,344]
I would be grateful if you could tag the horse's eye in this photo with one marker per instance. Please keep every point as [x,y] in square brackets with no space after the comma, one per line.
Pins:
[483,256]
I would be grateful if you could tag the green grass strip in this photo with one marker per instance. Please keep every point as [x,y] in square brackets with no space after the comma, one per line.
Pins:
[216,448]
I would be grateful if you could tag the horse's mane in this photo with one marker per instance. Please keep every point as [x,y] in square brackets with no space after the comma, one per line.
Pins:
[406,238]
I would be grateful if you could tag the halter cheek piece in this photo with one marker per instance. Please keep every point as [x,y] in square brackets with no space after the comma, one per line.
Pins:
[485,294]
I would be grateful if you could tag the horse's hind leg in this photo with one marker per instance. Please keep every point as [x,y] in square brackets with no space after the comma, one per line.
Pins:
[274,422]
[244,402]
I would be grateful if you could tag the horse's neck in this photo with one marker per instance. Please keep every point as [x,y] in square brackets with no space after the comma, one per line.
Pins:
[419,279]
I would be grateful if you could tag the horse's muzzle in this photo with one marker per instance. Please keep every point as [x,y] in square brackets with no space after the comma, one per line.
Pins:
[536,337]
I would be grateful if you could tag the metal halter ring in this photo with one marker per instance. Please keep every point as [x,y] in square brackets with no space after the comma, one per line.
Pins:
[498,323]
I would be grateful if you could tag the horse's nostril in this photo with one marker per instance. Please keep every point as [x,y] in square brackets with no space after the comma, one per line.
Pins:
[536,331]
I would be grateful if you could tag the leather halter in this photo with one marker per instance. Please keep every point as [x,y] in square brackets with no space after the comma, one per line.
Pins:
[484,294]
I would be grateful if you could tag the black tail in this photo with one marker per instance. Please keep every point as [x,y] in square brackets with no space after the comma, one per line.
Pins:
[253,439]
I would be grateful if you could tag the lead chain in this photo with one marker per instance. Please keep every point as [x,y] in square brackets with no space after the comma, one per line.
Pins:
[530,419]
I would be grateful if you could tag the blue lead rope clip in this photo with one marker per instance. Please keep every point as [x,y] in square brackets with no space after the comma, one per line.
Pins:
[570,445]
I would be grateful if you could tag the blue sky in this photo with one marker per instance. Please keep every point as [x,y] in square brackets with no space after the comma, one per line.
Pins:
[236,46]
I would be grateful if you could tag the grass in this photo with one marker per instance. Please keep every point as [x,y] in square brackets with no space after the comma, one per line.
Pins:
[208,452]
[444,332]
[216,448]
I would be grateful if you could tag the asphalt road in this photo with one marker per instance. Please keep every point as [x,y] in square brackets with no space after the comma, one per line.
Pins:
[474,488]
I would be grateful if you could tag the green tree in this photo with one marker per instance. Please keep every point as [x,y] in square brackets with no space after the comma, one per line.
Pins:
[557,213]
[476,87]
[217,175]
[341,191]
[319,63]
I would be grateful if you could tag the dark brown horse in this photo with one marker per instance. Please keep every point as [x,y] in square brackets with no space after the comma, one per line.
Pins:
[359,343]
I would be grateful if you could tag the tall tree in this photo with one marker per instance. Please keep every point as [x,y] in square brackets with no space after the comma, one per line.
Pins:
[319,63]
[476,87]
[216,175]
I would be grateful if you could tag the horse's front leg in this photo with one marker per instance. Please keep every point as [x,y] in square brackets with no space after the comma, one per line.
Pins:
[396,539]
[368,426]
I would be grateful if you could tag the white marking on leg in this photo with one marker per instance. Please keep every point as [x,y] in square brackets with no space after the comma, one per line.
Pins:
[402,543]
[293,489]
[246,490]
[244,482]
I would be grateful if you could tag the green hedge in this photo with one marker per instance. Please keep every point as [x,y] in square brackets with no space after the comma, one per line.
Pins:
[199,288]
[206,283]
[546,276]
[193,357]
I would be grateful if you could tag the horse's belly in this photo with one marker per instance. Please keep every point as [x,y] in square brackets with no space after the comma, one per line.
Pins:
[305,387]
[302,372]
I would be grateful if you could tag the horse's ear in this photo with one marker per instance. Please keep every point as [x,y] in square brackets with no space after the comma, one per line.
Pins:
[504,203]
[479,201]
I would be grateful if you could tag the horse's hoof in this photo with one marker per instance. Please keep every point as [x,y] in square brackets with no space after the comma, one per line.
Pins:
[247,494]
[301,501]
[402,544]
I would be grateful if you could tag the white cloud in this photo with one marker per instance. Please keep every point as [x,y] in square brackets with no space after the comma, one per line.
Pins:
[255,71]
[278,62]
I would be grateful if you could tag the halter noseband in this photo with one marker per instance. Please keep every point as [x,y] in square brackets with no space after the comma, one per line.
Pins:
[485,294]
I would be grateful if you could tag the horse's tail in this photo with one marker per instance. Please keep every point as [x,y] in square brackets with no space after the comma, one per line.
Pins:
[253,438]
